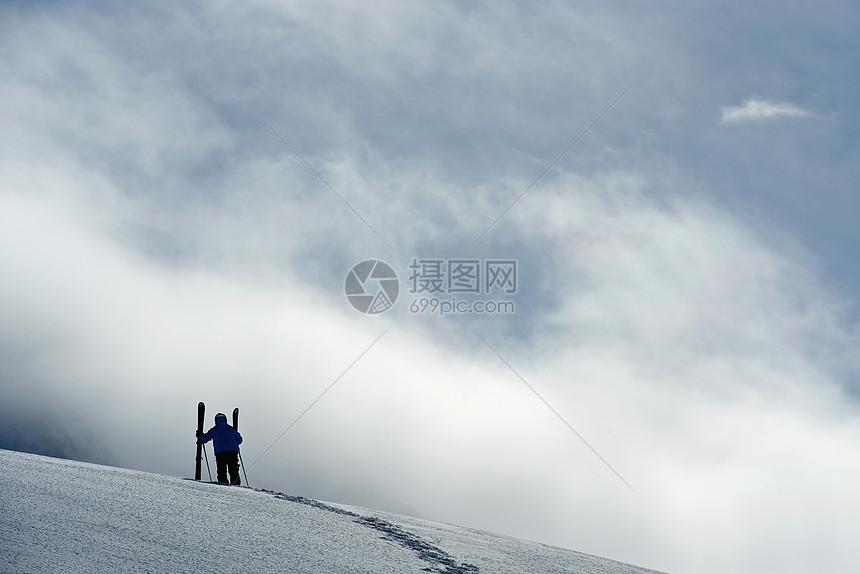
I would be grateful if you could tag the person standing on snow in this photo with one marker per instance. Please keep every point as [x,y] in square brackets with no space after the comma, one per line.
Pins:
[226,442]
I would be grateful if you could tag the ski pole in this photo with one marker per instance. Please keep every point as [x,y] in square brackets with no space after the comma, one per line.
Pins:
[209,470]
[243,466]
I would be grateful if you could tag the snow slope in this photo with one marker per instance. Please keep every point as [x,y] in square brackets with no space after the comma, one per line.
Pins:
[66,516]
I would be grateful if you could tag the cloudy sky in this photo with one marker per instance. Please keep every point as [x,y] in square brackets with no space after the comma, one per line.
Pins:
[184,188]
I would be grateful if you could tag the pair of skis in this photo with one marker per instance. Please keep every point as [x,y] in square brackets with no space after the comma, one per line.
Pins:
[201,412]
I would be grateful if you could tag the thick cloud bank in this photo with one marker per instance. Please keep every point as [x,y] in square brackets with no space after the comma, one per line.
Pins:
[685,303]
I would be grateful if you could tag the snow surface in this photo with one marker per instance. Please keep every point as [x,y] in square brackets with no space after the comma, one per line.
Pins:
[67,516]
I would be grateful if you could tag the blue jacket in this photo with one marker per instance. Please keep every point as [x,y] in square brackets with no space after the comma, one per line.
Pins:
[224,436]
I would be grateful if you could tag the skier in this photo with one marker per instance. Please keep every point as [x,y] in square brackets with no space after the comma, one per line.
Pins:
[226,440]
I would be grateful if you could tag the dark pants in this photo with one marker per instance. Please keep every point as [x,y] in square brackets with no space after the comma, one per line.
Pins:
[228,460]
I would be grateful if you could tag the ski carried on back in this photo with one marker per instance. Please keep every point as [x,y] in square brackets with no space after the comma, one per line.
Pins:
[201,411]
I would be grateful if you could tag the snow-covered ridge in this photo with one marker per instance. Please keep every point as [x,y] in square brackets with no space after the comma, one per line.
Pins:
[66,516]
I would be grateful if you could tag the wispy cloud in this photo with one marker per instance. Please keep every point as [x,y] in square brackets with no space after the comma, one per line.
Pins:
[754,110]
